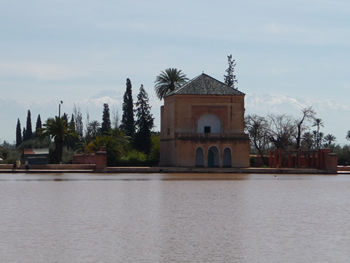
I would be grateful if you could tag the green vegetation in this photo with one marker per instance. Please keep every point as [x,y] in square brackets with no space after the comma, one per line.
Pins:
[169,80]
[128,123]
[230,78]
[131,144]
[289,134]
[61,132]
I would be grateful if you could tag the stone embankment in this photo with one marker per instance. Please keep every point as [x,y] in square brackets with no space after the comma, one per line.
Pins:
[90,168]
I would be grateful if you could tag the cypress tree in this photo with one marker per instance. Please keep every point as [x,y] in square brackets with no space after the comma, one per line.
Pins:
[230,79]
[72,121]
[106,120]
[24,134]
[128,123]
[29,133]
[144,122]
[18,134]
[38,125]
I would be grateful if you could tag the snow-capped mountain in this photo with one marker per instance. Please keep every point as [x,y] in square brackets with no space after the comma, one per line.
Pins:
[333,113]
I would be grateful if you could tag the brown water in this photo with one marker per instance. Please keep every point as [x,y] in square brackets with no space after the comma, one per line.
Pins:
[174,218]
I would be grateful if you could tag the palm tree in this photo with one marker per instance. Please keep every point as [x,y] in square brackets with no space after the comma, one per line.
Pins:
[329,139]
[169,80]
[348,135]
[318,123]
[61,131]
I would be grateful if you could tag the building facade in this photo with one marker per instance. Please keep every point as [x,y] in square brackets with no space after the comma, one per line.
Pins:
[202,125]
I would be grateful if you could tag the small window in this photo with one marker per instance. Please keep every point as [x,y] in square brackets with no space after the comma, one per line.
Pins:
[206,129]
[168,131]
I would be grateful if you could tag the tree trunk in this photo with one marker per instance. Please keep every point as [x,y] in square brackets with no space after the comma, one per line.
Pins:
[58,150]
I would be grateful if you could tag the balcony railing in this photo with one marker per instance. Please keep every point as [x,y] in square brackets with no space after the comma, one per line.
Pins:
[212,136]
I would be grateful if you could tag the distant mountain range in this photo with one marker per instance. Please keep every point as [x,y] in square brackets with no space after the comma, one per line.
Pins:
[331,112]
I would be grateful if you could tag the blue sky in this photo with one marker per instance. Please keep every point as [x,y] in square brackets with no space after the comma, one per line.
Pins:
[69,50]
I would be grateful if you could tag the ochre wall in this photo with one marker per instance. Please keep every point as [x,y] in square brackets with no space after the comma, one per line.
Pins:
[186,152]
[180,115]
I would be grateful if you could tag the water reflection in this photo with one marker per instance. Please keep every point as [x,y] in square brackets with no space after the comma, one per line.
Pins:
[174,218]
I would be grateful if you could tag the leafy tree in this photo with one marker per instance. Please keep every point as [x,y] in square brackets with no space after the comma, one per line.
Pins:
[29,133]
[155,150]
[343,154]
[169,80]
[61,131]
[258,130]
[144,122]
[230,78]
[38,125]
[114,140]
[106,120]
[18,134]
[128,122]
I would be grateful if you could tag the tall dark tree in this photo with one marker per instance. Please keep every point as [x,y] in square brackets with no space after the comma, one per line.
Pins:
[144,122]
[72,121]
[24,134]
[128,122]
[106,120]
[18,134]
[169,80]
[38,125]
[230,78]
[29,133]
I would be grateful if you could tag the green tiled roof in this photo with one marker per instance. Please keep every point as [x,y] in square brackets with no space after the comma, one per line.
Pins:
[205,85]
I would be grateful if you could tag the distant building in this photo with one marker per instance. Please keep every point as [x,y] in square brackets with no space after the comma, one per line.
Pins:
[37,156]
[202,124]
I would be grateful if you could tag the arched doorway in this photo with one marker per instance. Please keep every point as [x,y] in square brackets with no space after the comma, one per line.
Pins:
[199,157]
[227,158]
[209,123]
[213,157]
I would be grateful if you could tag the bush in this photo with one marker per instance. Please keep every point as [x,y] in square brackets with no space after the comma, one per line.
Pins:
[134,158]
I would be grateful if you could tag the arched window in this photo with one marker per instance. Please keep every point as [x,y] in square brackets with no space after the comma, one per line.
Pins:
[227,158]
[209,123]
[200,157]
[213,157]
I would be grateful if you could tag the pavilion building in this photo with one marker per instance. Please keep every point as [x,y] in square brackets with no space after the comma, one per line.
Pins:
[202,125]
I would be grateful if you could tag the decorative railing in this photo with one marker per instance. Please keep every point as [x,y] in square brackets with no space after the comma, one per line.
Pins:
[205,136]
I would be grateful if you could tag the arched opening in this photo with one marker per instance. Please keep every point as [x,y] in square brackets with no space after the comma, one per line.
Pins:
[209,123]
[213,157]
[199,157]
[227,158]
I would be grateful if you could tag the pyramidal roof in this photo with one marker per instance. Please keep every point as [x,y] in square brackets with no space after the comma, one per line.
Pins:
[205,85]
